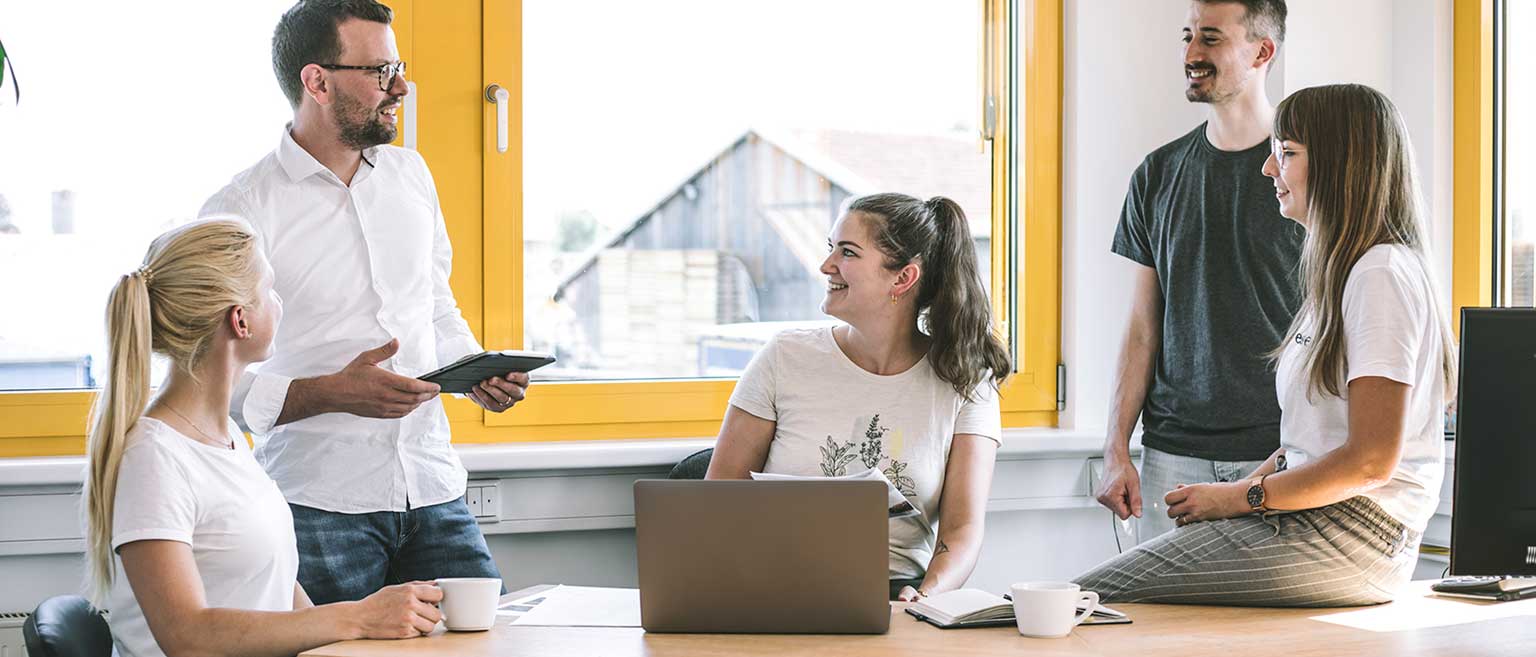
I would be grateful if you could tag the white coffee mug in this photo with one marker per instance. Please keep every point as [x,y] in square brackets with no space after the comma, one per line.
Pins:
[1048,610]
[469,603]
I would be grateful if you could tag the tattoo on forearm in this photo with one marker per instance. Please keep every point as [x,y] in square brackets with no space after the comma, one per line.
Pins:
[941,550]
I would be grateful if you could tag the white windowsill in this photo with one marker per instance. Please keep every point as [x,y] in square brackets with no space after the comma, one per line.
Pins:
[1018,445]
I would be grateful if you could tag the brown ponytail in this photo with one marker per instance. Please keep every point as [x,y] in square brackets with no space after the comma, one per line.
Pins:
[952,306]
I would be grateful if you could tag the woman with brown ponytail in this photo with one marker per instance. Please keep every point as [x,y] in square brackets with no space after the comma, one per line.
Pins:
[190,545]
[906,385]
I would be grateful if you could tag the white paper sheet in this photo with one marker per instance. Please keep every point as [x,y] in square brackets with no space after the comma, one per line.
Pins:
[585,606]
[1413,612]
[518,607]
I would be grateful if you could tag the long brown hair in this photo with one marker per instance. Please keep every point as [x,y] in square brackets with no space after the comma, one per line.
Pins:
[1362,191]
[952,307]
[172,305]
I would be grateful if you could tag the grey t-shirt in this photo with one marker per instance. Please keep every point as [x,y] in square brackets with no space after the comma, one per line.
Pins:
[1208,222]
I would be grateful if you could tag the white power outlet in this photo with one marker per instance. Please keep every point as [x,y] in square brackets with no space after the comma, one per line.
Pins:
[484,500]
[12,643]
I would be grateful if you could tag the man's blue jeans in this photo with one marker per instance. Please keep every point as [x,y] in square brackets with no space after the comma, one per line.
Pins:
[347,556]
[1161,472]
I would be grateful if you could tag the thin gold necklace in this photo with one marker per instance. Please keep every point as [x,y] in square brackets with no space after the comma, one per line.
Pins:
[227,443]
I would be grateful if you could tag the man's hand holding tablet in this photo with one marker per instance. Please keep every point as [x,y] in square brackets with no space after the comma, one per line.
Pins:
[495,380]
[498,394]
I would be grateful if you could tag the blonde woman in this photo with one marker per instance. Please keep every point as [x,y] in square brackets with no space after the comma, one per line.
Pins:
[1334,517]
[190,545]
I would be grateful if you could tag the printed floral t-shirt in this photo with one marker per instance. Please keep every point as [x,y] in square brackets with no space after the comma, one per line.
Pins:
[835,418]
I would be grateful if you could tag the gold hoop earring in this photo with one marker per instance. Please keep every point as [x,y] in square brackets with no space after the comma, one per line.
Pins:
[894,299]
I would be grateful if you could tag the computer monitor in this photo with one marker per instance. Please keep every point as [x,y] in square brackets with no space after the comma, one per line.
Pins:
[1493,524]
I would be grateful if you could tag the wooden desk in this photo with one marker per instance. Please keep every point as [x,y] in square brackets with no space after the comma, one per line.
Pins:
[1505,629]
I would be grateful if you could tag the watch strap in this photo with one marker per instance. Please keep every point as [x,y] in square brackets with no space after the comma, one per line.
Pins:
[1262,496]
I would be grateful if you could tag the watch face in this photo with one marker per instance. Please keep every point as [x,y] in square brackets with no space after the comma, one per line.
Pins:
[1255,496]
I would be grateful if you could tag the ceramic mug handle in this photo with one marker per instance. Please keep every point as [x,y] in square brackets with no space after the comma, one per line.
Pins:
[1093,604]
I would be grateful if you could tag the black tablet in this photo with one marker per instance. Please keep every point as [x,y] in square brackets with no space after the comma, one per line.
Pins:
[462,375]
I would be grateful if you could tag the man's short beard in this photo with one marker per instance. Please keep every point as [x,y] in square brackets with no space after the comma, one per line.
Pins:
[359,125]
[1212,96]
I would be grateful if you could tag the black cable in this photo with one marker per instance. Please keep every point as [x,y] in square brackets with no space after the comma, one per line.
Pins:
[1114,528]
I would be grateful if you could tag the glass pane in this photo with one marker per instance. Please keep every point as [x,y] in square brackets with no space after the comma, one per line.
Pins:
[680,180]
[1519,85]
[127,122]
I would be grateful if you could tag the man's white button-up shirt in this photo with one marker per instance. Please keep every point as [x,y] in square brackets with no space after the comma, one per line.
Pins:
[355,266]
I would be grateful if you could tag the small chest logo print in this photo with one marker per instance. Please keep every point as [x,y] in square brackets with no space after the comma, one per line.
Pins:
[1303,340]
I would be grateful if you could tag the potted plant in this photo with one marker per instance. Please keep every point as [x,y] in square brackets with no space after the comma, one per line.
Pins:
[6,65]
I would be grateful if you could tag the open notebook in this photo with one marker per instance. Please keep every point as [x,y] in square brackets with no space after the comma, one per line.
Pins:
[977,608]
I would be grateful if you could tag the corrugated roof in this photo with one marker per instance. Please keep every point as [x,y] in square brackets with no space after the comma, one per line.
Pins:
[916,164]
[921,165]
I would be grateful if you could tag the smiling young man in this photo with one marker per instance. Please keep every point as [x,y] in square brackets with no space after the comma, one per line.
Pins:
[356,238]
[1215,284]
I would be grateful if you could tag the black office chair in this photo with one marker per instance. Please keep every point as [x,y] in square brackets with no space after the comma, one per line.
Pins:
[693,466]
[67,626]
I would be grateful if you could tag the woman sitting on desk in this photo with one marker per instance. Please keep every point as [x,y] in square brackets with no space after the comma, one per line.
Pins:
[1334,517]
[907,386]
[190,545]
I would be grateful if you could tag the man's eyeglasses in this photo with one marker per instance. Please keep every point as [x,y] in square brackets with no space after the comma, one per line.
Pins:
[385,72]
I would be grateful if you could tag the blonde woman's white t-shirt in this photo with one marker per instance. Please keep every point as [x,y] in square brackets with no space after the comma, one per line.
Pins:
[221,503]
[833,417]
[1391,331]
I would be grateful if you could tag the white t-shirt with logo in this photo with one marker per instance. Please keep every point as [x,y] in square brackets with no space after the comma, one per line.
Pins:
[835,418]
[220,502]
[1391,331]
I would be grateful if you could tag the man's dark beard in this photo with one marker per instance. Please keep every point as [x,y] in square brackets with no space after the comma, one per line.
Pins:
[360,125]
[1206,95]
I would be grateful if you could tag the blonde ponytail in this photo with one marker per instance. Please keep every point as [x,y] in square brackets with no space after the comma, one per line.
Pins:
[172,305]
[121,402]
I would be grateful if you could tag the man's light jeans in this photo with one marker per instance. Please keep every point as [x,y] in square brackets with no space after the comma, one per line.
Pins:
[1161,472]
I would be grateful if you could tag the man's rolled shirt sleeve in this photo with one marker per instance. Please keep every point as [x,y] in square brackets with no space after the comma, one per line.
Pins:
[258,400]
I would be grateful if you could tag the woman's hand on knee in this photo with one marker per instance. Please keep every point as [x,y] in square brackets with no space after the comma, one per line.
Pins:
[1201,502]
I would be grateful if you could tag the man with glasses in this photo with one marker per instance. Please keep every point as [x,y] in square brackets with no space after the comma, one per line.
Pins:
[356,238]
[1216,281]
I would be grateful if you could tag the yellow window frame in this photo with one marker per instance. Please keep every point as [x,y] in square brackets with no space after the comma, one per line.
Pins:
[480,190]
[601,410]
[1472,168]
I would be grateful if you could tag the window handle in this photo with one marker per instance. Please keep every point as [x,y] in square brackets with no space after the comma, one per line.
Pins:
[498,95]
[987,71]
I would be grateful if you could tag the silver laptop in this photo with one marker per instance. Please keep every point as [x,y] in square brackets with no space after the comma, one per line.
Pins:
[763,556]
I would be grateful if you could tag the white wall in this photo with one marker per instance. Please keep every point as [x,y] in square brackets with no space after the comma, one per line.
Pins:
[574,524]
[1123,98]
[1422,87]
[1403,48]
